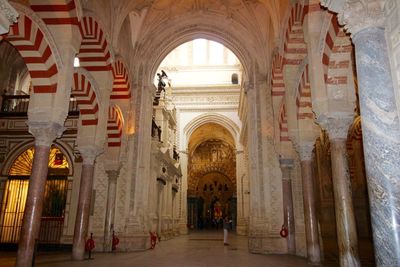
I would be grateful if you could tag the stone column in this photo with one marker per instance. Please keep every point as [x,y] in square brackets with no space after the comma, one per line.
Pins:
[337,129]
[288,213]
[89,155]
[380,122]
[44,135]
[160,186]
[310,216]
[110,212]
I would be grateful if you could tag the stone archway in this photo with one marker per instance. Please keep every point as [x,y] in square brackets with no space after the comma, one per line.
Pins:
[212,186]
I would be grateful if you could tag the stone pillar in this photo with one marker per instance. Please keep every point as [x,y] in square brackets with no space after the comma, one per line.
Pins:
[160,186]
[379,119]
[337,129]
[44,135]
[89,155]
[381,139]
[310,216]
[110,212]
[288,213]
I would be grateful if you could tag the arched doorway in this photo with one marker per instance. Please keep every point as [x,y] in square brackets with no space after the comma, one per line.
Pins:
[16,190]
[211,177]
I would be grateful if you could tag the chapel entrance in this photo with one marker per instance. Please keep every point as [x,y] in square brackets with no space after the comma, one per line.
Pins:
[15,194]
[211,178]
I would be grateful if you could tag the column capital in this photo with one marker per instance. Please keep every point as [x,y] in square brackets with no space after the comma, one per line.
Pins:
[112,175]
[89,153]
[8,16]
[44,132]
[336,126]
[357,15]
[305,150]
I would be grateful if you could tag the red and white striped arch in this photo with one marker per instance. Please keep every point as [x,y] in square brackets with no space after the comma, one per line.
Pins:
[283,125]
[278,83]
[121,85]
[94,54]
[83,91]
[114,126]
[294,45]
[337,56]
[31,43]
[303,97]
[56,12]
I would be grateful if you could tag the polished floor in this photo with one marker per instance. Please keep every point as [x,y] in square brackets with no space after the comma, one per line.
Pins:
[202,249]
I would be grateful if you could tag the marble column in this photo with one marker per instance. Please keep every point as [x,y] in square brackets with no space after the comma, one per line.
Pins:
[110,211]
[288,213]
[89,155]
[310,216]
[381,140]
[337,129]
[44,135]
[379,119]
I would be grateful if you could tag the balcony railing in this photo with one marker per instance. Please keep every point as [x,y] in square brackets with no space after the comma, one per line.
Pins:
[17,105]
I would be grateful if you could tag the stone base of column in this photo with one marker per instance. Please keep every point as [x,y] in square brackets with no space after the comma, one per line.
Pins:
[136,242]
[267,244]
[242,229]
[182,228]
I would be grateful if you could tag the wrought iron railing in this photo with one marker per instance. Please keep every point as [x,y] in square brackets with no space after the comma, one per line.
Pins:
[17,105]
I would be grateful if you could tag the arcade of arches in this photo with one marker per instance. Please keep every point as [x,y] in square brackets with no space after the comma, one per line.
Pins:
[131,117]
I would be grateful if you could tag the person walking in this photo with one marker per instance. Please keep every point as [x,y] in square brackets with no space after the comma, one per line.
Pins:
[226,226]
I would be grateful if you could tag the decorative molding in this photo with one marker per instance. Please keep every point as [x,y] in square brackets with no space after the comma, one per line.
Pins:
[305,150]
[45,133]
[8,16]
[336,126]
[112,175]
[357,15]
[89,153]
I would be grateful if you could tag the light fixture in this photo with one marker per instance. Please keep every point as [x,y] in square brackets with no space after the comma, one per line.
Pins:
[76,62]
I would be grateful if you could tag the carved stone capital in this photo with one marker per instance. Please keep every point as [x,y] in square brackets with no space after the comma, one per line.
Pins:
[45,133]
[8,16]
[305,150]
[337,126]
[112,175]
[89,154]
[357,15]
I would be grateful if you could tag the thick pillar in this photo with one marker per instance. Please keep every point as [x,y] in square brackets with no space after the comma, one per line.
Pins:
[160,186]
[381,140]
[310,216]
[89,155]
[379,119]
[337,129]
[44,136]
[288,213]
[110,212]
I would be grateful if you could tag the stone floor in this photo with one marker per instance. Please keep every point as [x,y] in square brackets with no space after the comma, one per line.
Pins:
[204,249]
